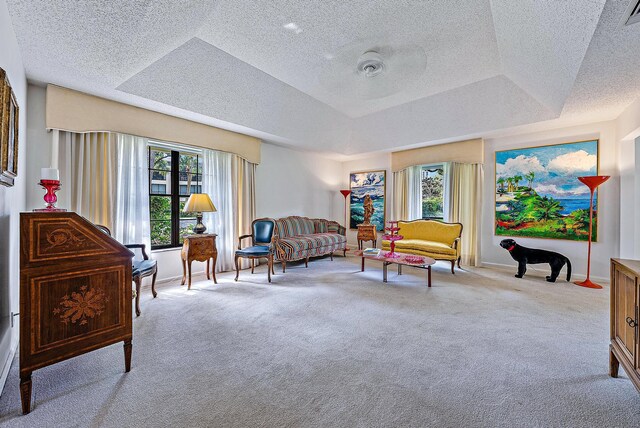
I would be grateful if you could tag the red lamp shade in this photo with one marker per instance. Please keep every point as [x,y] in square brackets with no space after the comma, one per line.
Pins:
[345,193]
[594,181]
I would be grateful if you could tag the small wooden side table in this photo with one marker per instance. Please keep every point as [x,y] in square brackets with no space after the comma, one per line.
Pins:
[201,248]
[367,232]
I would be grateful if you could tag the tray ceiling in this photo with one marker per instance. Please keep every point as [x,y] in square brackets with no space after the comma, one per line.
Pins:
[285,70]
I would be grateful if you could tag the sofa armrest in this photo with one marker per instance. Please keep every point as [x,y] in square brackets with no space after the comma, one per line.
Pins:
[335,227]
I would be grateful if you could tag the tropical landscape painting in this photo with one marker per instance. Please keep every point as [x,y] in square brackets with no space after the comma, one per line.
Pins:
[538,193]
[372,183]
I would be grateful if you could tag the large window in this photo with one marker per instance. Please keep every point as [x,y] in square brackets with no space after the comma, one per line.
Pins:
[432,192]
[173,176]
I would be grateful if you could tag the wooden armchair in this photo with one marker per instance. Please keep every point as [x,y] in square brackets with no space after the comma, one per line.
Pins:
[261,245]
[142,268]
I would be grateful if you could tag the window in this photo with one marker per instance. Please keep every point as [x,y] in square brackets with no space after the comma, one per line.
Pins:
[432,191]
[173,176]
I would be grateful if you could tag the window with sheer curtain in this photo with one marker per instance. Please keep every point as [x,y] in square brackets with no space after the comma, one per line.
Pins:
[117,180]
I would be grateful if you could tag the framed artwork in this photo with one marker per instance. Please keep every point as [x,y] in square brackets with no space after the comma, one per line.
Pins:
[8,132]
[372,183]
[538,195]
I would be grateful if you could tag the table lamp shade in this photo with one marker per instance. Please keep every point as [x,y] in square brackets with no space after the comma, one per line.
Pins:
[199,202]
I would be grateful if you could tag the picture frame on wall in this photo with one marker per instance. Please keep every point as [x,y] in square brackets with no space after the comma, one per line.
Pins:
[538,194]
[9,120]
[374,184]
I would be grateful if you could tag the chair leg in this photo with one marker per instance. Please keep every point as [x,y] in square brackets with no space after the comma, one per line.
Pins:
[344,252]
[453,264]
[284,266]
[252,265]
[273,272]
[459,262]
[269,267]
[331,255]
[306,262]
[153,284]
[137,281]
[237,268]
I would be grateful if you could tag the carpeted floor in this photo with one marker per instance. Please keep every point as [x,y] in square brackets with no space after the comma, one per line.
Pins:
[330,346]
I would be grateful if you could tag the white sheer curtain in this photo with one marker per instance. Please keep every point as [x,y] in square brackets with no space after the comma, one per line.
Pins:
[217,182]
[407,193]
[131,223]
[229,181]
[105,179]
[463,204]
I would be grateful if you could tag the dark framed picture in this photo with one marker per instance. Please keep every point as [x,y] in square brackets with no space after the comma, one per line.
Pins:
[373,184]
[9,119]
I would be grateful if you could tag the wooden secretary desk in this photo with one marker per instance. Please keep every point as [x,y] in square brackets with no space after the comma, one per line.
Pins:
[75,292]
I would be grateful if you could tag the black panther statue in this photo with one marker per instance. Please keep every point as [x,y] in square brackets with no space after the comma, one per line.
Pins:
[524,255]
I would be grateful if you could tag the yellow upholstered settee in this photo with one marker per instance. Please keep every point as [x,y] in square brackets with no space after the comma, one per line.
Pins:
[431,238]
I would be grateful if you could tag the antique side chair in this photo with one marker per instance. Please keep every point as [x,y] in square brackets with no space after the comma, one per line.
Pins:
[261,245]
[141,268]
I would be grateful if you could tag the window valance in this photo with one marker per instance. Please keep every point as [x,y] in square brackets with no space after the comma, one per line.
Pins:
[70,110]
[469,151]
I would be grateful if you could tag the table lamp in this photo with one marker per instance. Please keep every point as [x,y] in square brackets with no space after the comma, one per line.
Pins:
[199,203]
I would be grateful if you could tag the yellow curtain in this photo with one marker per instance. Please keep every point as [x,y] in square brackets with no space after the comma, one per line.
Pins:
[407,194]
[245,184]
[87,163]
[463,204]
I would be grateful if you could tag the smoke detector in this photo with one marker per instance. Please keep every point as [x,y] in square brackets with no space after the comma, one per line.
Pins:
[370,64]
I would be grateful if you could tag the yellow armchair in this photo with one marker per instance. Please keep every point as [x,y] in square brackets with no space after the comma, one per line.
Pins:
[432,238]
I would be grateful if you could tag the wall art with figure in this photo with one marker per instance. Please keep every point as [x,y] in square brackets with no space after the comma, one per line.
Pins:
[372,183]
[538,194]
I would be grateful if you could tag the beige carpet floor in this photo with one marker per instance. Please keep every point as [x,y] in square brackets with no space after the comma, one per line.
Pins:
[331,346]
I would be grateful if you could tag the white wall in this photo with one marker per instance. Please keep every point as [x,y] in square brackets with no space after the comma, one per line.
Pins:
[380,161]
[12,199]
[609,203]
[291,182]
[39,150]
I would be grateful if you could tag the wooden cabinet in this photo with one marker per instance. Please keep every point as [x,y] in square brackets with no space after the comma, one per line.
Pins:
[201,248]
[625,316]
[75,292]
[367,232]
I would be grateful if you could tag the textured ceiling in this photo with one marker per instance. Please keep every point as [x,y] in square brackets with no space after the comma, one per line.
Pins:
[284,70]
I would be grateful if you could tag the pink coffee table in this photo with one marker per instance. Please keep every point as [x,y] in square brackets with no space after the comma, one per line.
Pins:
[400,259]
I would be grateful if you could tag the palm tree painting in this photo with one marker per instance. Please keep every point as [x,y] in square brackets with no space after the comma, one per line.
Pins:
[538,194]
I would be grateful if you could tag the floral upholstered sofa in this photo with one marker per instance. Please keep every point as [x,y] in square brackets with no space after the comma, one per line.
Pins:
[431,238]
[299,238]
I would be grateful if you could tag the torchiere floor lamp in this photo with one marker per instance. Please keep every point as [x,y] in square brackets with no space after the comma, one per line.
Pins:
[592,182]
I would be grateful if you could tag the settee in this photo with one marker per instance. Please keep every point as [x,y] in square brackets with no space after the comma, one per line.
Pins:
[299,238]
[432,238]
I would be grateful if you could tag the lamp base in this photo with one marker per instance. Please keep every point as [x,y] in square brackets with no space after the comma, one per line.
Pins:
[587,283]
[199,227]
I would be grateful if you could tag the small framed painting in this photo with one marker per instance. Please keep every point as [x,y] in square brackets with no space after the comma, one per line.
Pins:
[8,132]
[373,184]
[538,194]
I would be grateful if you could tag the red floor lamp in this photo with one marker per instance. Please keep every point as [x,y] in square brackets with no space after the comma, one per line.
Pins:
[592,182]
[345,193]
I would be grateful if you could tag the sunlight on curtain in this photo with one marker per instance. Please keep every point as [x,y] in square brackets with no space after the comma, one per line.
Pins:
[463,204]
[131,223]
[407,194]
[230,183]
[87,165]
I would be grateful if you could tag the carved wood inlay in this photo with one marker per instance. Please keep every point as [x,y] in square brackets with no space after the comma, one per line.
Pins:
[64,238]
[88,303]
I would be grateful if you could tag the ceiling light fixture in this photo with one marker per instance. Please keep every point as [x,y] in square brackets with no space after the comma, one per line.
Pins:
[370,64]
[292,26]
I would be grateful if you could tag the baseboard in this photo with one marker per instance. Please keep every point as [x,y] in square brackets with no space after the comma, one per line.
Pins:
[542,273]
[7,366]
